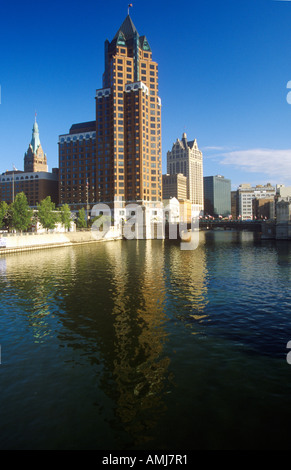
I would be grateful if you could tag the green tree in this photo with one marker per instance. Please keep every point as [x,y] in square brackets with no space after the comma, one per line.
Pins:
[3,212]
[21,214]
[81,220]
[47,214]
[65,216]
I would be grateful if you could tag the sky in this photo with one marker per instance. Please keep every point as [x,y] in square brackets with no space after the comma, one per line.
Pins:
[224,77]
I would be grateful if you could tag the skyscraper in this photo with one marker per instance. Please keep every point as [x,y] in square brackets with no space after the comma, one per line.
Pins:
[126,136]
[128,120]
[217,194]
[186,158]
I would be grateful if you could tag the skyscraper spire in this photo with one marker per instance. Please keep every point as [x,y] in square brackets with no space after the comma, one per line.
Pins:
[35,141]
[35,159]
[127,29]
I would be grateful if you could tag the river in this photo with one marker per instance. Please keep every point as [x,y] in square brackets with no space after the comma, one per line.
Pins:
[138,344]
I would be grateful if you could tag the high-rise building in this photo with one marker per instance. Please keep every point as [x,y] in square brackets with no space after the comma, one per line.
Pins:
[36,182]
[217,196]
[186,158]
[120,159]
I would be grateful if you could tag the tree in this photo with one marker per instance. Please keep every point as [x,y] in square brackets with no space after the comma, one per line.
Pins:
[3,212]
[47,214]
[81,220]
[21,214]
[65,216]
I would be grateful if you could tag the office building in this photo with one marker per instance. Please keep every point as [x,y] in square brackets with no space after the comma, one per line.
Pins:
[186,158]
[174,186]
[77,166]
[283,191]
[117,157]
[246,195]
[217,196]
[263,208]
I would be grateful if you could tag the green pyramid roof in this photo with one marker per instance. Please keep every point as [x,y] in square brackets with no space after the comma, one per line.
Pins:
[127,29]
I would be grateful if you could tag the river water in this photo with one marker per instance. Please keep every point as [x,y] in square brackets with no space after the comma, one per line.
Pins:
[140,345]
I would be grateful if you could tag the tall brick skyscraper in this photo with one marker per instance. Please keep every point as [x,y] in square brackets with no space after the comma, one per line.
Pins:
[128,120]
[123,158]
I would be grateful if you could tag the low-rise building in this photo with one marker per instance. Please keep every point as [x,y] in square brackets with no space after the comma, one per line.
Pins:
[35,185]
[246,195]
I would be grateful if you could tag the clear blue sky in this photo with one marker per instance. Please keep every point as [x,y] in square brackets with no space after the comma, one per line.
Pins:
[224,66]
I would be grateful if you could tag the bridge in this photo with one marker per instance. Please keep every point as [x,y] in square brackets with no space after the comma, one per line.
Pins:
[250,225]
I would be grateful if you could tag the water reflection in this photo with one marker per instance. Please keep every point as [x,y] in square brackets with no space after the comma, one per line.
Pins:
[29,284]
[141,340]
[106,302]
[187,280]
[139,367]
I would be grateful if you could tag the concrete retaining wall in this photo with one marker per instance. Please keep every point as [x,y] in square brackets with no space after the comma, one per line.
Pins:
[30,241]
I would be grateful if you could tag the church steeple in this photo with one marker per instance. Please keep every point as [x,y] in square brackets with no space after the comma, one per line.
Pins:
[35,159]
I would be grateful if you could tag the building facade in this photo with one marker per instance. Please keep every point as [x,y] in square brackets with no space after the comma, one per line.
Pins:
[234,204]
[217,196]
[119,157]
[78,167]
[174,186]
[186,158]
[262,193]
[35,158]
[35,181]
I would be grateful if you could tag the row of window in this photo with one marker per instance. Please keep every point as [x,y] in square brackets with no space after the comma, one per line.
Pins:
[17,178]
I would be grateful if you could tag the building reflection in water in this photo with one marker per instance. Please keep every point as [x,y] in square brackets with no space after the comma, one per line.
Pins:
[111,305]
[139,367]
[187,280]
[106,303]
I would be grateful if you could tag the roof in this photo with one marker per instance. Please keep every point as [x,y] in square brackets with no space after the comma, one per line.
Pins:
[35,141]
[83,127]
[127,29]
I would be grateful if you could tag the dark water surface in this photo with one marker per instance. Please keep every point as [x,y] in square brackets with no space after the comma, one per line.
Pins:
[139,345]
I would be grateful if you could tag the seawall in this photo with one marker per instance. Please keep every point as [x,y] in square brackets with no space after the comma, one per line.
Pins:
[13,243]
